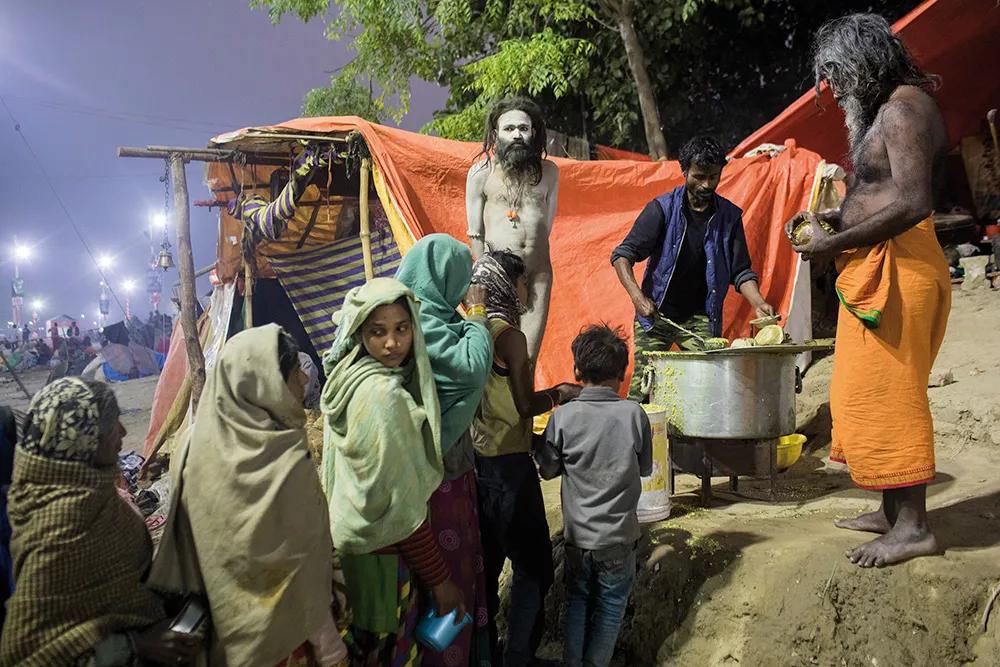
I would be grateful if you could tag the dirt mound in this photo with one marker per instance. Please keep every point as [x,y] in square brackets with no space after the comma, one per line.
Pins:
[748,582]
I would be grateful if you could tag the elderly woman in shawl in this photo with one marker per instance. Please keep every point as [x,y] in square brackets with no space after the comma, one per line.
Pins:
[80,552]
[248,525]
[381,463]
[8,440]
[438,269]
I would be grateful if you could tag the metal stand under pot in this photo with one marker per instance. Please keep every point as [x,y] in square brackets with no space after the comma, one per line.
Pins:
[726,409]
[706,458]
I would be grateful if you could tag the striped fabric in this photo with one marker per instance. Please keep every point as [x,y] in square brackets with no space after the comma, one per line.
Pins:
[317,281]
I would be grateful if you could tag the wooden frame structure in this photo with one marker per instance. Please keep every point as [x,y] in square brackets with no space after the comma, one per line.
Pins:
[277,155]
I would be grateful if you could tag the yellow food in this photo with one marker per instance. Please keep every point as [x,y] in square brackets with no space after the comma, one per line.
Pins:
[772,334]
[743,342]
[716,343]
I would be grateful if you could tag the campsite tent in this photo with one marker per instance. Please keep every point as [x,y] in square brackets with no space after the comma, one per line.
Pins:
[62,322]
[959,40]
[418,189]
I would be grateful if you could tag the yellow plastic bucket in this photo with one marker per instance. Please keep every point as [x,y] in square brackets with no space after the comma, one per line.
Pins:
[654,502]
[789,450]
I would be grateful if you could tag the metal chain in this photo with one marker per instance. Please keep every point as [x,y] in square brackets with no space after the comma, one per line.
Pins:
[166,196]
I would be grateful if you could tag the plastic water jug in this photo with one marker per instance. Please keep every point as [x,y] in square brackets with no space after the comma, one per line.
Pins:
[438,632]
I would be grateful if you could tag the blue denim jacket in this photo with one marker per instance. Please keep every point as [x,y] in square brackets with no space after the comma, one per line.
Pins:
[725,265]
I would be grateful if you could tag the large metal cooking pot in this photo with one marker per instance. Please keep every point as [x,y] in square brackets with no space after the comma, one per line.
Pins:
[734,394]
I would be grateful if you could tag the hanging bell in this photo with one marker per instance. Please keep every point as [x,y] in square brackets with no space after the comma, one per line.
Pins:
[165,260]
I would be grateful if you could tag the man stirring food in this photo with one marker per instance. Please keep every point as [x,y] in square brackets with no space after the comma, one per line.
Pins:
[696,247]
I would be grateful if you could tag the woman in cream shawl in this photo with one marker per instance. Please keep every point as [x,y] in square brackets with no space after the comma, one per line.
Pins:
[381,463]
[248,526]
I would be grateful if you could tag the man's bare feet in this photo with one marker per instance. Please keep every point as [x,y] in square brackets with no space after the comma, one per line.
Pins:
[871,522]
[894,547]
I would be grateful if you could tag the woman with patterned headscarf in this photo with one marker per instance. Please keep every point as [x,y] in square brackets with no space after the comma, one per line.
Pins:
[80,552]
[511,511]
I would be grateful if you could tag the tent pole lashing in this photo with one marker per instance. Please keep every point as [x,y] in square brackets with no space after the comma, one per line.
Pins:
[366,234]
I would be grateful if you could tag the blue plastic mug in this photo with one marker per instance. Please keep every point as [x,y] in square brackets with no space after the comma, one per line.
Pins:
[438,632]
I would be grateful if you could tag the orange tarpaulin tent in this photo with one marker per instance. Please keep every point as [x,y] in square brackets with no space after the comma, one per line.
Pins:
[959,40]
[421,182]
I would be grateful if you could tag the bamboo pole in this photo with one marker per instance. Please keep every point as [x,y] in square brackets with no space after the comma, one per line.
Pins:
[366,234]
[248,294]
[185,266]
[203,154]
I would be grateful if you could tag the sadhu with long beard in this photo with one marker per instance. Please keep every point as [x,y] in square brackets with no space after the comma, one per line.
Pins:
[894,286]
[511,196]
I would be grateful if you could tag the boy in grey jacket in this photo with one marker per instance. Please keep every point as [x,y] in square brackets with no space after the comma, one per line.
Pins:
[601,445]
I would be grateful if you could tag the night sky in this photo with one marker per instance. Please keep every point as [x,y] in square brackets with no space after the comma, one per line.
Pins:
[83,78]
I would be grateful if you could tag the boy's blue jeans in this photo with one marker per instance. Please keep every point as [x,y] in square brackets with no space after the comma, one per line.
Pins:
[598,584]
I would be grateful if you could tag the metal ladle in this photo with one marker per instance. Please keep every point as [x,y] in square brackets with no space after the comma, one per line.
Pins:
[688,332]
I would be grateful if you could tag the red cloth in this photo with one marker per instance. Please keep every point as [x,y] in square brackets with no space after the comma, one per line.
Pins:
[598,202]
[171,378]
[423,556]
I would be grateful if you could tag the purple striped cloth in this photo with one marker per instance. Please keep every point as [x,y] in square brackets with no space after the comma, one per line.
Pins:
[317,280]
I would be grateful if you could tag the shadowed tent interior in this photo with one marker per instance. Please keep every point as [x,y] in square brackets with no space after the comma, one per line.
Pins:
[954,39]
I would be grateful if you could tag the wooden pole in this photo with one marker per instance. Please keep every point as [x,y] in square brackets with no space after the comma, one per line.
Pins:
[185,266]
[203,154]
[14,373]
[366,234]
[248,294]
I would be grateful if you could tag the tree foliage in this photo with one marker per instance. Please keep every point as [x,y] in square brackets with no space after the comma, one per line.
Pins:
[343,97]
[717,66]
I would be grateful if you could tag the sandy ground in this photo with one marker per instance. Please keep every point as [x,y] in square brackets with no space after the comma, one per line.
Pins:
[747,582]
[135,397]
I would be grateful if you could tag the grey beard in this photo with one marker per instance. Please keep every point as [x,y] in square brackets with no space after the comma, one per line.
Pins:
[858,120]
[514,157]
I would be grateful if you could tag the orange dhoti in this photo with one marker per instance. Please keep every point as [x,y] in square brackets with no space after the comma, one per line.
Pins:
[895,299]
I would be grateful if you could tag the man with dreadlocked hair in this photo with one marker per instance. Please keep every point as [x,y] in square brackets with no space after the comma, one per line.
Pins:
[894,288]
[511,512]
[510,202]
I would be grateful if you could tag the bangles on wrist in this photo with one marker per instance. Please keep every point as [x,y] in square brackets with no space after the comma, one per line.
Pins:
[477,310]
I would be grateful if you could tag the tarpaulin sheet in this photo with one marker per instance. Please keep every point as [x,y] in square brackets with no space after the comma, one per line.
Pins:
[609,153]
[171,378]
[317,280]
[598,202]
[959,40]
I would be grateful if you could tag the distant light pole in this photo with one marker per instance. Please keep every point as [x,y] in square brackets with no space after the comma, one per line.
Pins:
[36,305]
[128,286]
[104,263]
[21,253]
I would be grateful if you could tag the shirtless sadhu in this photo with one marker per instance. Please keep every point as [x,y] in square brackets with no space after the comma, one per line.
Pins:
[894,286]
[510,201]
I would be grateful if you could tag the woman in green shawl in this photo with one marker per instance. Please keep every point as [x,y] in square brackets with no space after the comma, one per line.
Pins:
[439,269]
[381,463]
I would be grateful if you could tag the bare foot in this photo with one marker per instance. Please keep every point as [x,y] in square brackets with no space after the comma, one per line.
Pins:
[872,522]
[894,547]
